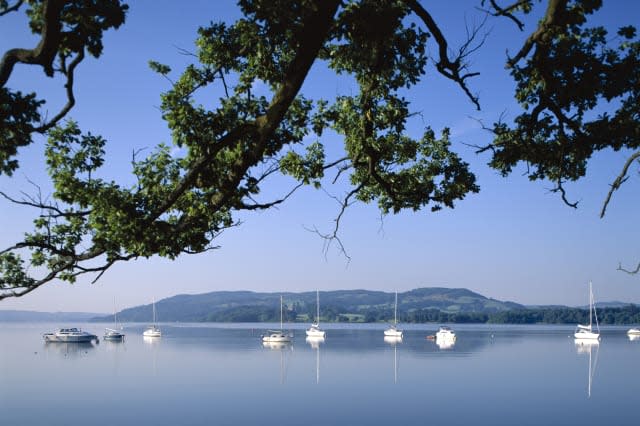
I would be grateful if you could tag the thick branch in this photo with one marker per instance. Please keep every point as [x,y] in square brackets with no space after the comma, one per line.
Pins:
[45,52]
[551,17]
[622,177]
[71,100]
[12,8]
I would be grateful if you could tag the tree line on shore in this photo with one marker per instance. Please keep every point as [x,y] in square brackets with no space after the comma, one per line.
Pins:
[629,314]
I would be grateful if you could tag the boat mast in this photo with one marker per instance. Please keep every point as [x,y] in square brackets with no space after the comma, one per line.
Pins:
[115,313]
[280,312]
[590,305]
[595,312]
[317,306]
[395,310]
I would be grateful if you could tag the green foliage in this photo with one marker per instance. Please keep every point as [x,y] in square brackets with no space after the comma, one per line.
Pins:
[67,29]
[18,114]
[231,146]
[571,73]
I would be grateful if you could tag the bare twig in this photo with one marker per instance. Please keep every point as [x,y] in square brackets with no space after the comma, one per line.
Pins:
[560,188]
[507,11]
[632,272]
[445,66]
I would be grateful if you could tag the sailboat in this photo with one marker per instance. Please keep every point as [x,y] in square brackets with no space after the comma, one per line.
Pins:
[586,332]
[112,333]
[153,330]
[393,330]
[277,336]
[314,330]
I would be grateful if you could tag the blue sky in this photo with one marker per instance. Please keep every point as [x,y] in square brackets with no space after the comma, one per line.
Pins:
[514,240]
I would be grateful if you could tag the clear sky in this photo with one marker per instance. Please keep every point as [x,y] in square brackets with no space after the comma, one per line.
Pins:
[513,241]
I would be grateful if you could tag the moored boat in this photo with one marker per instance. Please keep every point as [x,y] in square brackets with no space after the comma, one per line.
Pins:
[153,330]
[70,335]
[393,330]
[445,333]
[111,334]
[315,330]
[277,336]
[586,332]
[634,332]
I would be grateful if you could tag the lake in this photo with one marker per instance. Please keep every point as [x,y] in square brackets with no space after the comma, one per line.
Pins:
[204,374]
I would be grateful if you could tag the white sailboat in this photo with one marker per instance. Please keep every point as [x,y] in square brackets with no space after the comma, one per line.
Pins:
[314,330]
[393,330]
[277,336]
[112,333]
[586,332]
[153,330]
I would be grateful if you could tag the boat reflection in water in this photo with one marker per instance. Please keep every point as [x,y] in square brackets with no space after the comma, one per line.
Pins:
[590,347]
[633,337]
[315,343]
[394,341]
[151,340]
[69,349]
[283,348]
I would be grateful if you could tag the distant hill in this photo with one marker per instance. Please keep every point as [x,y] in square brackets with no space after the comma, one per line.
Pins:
[341,305]
[30,316]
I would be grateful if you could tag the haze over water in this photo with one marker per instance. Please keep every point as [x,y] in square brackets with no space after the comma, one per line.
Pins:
[222,374]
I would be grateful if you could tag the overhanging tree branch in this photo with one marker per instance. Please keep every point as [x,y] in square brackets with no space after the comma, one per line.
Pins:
[622,178]
[449,68]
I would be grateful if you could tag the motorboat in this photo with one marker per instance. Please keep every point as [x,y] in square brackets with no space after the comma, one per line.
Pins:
[586,332]
[277,336]
[445,333]
[634,332]
[153,330]
[393,330]
[315,330]
[70,335]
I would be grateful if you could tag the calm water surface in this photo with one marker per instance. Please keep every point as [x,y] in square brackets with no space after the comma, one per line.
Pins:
[222,374]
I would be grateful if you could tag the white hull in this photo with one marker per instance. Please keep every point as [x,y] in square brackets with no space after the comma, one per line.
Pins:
[586,335]
[152,332]
[634,332]
[72,335]
[276,338]
[445,333]
[393,332]
[315,331]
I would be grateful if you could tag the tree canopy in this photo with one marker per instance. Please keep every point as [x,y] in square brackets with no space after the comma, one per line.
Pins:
[564,73]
